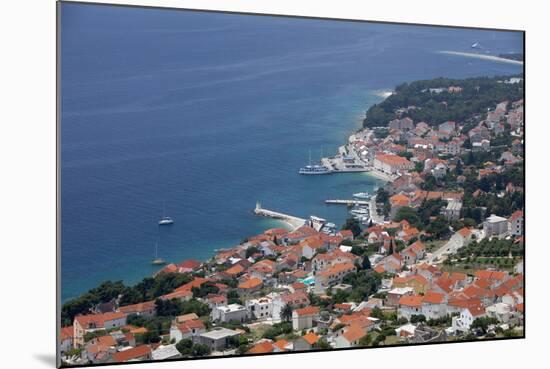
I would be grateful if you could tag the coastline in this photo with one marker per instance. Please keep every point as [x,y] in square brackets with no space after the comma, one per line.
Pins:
[380,175]
[482,57]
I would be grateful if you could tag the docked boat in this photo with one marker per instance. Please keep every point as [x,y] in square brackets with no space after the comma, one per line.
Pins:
[314,169]
[360,211]
[361,195]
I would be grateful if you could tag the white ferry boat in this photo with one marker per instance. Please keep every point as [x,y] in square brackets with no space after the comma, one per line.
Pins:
[314,170]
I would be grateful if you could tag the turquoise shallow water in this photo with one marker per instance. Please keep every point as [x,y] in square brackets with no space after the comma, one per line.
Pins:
[210,113]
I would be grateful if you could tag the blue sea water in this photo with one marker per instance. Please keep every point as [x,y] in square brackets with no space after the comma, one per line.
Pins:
[209,113]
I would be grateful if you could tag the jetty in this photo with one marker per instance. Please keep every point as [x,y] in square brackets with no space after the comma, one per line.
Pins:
[295,222]
[347,202]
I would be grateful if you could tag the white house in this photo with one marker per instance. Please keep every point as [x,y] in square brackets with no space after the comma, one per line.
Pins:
[188,329]
[229,313]
[145,309]
[409,305]
[495,226]
[405,330]
[467,316]
[516,223]
[332,276]
[500,311]
[350,337]
[89,323]
[303,318]
[261,308]
[434,305]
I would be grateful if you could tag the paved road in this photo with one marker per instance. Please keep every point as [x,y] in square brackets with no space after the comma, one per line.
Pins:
[373,213]
[451,247]
[448,248]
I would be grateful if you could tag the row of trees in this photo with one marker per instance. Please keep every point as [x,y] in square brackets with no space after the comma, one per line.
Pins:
[148,289]
[492,248]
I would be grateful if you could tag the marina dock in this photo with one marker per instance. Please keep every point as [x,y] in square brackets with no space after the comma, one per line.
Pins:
[296,222]
[348,202]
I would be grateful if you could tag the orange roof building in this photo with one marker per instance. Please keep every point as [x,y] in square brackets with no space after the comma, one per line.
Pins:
[414,301]
[142,352]
[253,284]
[143,308]
[311,338]
[262,348]
[391,164]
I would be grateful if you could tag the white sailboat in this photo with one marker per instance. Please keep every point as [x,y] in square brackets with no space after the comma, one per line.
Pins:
[157,260]
[165,220]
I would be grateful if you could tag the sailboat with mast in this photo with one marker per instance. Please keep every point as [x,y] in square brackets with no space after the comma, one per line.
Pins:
[165,220]
[157,260]
[314,169]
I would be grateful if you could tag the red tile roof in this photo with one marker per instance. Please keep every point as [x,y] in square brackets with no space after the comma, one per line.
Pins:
[354,333]
[411,300]
[399,200]
[310,310]
[336,269]
[97,320]
[66,332]
[177,295]
[251,283]
[261,348]
[517,214]
[311,338]
[138,308]
[491,274]
[107,340]
[464,232]
[431,297]
[281,344]
[190,264]
[132,354]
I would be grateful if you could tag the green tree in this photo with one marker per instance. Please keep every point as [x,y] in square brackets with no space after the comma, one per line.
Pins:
[353,225]
[199,350]
[418,318]
[365,340]
[366,262]
[184,347]
[286,313]
[251,251]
